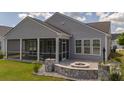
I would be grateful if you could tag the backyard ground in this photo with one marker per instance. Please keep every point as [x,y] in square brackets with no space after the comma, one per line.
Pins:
[20,71]
[119,56]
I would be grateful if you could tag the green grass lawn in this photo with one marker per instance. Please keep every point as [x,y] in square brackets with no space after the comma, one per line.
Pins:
[120,56]
[14,70]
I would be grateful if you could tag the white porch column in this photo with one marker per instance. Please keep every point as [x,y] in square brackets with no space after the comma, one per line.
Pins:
[6,48]
[38,49]
[57,50]
[20,49]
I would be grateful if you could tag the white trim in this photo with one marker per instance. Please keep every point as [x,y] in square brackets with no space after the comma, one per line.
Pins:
[38,49]
[69,54]
[6,49]
[20,49]
[91,46]
[57,50]
[3,46]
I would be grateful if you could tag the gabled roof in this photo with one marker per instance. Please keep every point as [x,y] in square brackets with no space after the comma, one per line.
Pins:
[40,23]
[51,26]
[102,26]
[4,30]
[85,24]
[114,36]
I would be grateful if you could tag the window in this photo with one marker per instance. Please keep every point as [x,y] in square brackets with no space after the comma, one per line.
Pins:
[96,46]
[78,46]
[87,47]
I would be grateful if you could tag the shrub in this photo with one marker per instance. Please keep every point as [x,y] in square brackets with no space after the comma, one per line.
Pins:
[115,76]
[1,55]
[117,59]
[36,67]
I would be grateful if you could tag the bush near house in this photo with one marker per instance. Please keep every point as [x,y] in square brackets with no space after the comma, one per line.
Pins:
[118,57]
[120,39]
[36,67]
[1,55]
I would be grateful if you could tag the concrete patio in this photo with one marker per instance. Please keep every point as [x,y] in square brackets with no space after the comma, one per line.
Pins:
[92,64]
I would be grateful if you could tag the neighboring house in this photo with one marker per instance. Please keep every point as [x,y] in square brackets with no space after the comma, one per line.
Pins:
[59,37]
[3,31]
[114,41]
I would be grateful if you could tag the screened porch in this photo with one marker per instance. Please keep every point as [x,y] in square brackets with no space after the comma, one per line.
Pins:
[38,49]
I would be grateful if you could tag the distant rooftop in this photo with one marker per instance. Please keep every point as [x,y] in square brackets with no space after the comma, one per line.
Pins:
[4,30]
[114,36]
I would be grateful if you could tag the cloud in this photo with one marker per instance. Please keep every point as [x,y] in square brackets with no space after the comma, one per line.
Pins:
[119,30]
[76,15]
[45,15]
[81,18]
[23,15]
[103,16]
[115,18]
[88,14]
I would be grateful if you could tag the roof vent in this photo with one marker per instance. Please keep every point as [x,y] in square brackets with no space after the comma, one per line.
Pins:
[63,23]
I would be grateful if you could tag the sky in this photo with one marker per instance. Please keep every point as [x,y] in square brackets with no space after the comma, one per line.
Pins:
[116,18]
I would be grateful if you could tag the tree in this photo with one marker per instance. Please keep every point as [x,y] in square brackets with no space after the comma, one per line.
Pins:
[120,39]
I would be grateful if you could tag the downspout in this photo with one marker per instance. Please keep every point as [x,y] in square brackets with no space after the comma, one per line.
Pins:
[106,49]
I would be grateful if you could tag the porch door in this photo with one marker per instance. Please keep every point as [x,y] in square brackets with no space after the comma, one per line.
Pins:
[63,49]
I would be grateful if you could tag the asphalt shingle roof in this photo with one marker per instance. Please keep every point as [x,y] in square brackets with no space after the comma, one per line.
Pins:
[114,36]
[4,30]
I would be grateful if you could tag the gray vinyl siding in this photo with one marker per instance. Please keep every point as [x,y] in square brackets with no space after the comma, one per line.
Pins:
[86,57]
[30,29]
[109,45]
[2,45]
[78,32]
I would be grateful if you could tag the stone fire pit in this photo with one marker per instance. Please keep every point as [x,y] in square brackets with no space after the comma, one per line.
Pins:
[79,65]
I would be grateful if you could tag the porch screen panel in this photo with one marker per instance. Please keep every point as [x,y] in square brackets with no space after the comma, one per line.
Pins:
[47,48]
[13,49]
[29,49]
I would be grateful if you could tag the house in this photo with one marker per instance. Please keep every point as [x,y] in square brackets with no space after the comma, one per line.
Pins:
[59,37]
[114,41]
[3,31]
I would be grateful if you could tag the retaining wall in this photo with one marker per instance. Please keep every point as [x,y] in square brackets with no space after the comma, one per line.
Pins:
[78,73]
